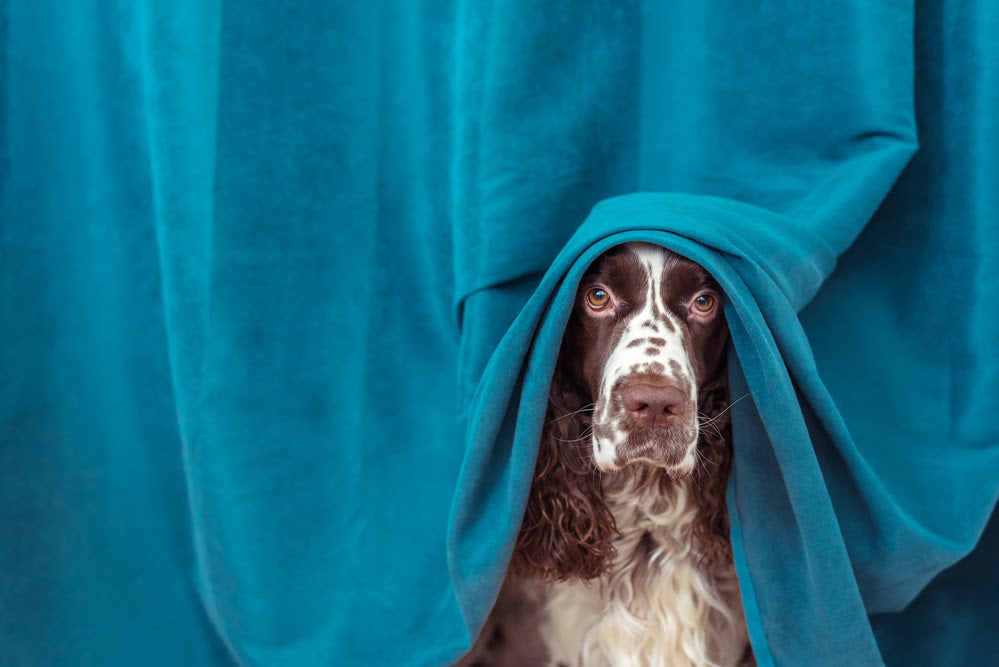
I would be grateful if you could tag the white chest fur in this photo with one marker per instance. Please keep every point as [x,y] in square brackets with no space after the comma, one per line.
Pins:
[656,606]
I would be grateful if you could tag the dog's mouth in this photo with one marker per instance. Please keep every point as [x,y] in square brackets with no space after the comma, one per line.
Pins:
[673,448]
[659,447]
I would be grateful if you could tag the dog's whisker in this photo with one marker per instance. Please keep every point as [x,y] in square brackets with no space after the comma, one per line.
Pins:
[586,435]
[585,408]
[729,407]
[714,427]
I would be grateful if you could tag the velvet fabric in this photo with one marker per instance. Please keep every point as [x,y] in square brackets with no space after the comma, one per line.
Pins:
[282,285]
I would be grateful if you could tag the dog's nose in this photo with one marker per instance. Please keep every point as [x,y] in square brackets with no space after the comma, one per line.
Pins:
[651,405]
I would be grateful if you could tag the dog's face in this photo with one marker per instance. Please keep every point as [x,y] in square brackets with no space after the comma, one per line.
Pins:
[646,331]
[645,348]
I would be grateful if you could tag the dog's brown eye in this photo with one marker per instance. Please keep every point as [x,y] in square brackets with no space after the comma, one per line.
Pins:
[704,304]
[597,298]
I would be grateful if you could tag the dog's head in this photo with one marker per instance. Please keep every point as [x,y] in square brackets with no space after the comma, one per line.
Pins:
[647,333]
[640,380]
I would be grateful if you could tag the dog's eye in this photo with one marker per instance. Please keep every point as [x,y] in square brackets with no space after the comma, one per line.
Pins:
[597,298]
[704,304]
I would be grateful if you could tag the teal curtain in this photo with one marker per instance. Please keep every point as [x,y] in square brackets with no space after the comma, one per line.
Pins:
[281,287]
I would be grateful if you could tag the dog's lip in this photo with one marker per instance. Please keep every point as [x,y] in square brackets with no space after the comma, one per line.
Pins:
[676,472]
[674,458]
[607,466]
[681,471]
[650,445]
[652,454]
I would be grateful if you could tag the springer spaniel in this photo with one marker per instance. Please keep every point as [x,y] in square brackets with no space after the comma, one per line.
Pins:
[623,557]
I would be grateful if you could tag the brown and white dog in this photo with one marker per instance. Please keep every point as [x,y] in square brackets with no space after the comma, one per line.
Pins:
[623,557]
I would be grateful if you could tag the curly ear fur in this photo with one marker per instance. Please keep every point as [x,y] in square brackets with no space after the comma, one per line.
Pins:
[711,477]
[568,529]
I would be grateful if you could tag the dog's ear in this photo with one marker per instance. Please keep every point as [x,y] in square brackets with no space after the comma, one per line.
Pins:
[568,529]
[711,475]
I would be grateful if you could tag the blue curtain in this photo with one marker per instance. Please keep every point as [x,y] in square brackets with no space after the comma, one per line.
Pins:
[281,287]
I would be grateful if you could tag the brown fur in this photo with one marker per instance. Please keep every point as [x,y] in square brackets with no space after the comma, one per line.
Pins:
[567,529]
[711,477]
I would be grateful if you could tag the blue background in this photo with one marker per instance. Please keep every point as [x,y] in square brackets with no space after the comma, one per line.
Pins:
[281,286]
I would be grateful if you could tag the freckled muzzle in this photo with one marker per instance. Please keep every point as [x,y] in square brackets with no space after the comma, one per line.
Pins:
[647,412]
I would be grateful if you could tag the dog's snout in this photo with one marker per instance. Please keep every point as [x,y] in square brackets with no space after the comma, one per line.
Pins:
[652,405]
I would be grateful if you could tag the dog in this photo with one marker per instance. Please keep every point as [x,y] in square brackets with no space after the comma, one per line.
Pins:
[623,557]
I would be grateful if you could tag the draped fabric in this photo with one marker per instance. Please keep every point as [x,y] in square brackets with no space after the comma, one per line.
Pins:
[282,285]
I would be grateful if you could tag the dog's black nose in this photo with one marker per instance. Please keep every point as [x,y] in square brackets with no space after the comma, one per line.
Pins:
[652,405]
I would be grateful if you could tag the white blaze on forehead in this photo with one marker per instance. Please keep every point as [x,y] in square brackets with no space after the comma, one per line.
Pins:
[653,320]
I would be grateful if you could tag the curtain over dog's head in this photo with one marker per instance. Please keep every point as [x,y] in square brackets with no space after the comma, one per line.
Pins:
[642,365]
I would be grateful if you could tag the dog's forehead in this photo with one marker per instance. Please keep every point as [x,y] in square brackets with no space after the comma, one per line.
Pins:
[682,278]
[629,268]
[621,270]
